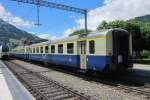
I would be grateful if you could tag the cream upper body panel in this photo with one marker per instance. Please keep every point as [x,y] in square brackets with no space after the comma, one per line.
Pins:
[0,51]
[103,43]
[98,37]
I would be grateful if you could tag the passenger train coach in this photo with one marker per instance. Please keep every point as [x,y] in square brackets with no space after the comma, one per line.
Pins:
[107,50]
[4,52]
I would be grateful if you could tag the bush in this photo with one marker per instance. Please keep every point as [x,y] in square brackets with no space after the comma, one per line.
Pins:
[149,57]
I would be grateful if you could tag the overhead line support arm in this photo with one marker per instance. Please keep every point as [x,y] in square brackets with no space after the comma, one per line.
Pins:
[57,6]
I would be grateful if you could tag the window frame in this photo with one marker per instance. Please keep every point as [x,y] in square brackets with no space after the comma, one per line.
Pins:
[33,49]
[41,49]
[47,49]
[37,50]
[53,51]
[72,49]
[92,47]
[60,49]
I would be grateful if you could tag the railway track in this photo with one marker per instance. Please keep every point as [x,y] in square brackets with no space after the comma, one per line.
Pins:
[123,83]
[42,87]
[131,85]
[126,83]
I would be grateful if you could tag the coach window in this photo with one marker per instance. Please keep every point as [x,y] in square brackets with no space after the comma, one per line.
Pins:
[33,50]
[46,49]
[52,49]
[41,50]
[30,50]
[92,47]
[70,48]
[37,50]
[60,48]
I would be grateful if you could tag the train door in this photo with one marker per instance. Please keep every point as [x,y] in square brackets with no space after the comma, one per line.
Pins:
[0,52]
[27,53]
[82,53]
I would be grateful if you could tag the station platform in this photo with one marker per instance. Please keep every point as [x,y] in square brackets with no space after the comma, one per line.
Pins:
[142,67]
[10,87]
[142,70]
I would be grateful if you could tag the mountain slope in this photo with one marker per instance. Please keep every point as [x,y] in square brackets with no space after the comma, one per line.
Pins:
[145,18]
[8,31]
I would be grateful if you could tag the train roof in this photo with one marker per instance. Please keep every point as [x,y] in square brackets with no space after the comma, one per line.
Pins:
[71,38]
[77,37]
[41,43]
[0,47]
[90,35]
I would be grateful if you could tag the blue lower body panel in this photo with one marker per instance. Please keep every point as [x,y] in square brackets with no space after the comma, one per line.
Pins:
[94,62]
[20,56]
[37,57]
[98,63]
[69,60]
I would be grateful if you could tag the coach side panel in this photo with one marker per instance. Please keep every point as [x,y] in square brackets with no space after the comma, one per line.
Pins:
[98,60]
[0,52]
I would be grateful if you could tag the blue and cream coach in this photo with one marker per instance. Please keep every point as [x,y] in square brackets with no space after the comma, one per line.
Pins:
[99,51]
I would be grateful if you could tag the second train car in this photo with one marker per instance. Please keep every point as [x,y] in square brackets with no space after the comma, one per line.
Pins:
[4,52]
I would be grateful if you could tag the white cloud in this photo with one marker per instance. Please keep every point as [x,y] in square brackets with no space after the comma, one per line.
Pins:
[32,33]
[47,36]
[72,17]
[54,37]
[115,10]
[111,10]
[107,1]
[17,21]
[68,31]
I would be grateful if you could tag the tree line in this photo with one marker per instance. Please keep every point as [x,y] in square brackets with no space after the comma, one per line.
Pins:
[139,30]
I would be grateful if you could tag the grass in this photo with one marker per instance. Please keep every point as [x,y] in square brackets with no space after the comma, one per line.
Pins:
[147,58]
[144,58]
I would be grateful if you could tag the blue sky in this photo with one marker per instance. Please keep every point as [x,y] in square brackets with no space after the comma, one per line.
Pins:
[53,21]
[58,23]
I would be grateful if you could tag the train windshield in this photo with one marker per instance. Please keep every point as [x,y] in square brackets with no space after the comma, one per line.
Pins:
[5,48]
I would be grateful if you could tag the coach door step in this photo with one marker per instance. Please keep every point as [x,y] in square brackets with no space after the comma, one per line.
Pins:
[82,53]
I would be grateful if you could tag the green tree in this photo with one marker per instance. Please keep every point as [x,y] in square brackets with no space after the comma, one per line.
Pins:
[117,24]
[140,32]
[103,25]
[78,32]
[145,30]
[113,24]
[134,28]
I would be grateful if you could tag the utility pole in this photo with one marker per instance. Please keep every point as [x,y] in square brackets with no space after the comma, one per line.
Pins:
[85,21]
[39,3]
[38,13]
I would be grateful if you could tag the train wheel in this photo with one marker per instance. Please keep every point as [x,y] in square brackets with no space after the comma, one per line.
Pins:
[121,68]
[46,64]
[108,69]
[89,72]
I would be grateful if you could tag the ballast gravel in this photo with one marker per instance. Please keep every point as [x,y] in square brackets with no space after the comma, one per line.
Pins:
[97,91]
